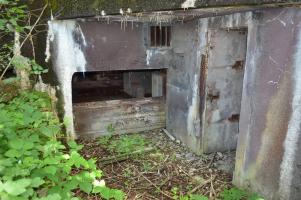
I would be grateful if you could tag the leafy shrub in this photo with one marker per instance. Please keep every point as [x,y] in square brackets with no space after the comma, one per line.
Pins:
[34,164]
[127,144]
[177,196]
[238,194]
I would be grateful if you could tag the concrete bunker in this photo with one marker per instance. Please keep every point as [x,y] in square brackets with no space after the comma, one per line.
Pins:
[262,77]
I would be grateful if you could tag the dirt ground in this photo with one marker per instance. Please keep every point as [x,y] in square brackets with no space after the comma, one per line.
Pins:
[166,170]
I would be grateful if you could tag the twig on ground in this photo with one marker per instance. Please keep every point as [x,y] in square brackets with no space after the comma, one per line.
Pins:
[156,187]
[181,170]
[168,134]
[211,161]
[212,191]
[201,185]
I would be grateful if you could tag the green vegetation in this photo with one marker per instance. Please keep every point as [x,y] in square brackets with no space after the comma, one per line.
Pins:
[122,144]
[127,144]
[34,163]
[13,19]
[238,194]
[177,196]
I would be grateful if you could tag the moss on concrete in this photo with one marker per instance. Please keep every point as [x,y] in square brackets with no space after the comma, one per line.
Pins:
[82,8]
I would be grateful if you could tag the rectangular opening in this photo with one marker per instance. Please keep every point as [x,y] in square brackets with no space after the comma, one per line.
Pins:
[160,36]
[114,85]
[127,101]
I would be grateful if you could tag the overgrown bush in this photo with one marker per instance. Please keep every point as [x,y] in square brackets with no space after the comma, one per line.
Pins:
[238,194]
[34,164]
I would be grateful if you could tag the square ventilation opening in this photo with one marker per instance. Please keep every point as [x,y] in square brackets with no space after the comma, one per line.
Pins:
[160,36]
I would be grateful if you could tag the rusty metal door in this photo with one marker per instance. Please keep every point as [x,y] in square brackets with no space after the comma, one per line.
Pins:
[224,84]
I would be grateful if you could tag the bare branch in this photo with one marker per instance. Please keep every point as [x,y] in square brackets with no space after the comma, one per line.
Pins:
[26,38]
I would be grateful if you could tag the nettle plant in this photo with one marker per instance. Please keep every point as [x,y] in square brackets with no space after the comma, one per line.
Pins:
[34,164]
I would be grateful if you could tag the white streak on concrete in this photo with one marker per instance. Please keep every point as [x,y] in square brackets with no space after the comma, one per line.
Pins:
[178,89]
[293,132]
[82,35]
[149,54]
[188,4]
[193,118]
[50,38]
[273,60]
[275,18]
[282,22]
[69,58]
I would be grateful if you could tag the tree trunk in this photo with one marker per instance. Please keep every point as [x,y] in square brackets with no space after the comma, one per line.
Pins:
[22,72]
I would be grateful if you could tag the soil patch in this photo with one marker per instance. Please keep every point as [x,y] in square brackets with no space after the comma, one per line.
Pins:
[166,170]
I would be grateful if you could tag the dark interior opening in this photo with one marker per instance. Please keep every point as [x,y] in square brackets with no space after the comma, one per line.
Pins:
[116,85]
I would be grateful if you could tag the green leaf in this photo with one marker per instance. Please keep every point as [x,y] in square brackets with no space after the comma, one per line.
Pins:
[13,153]
[52,161]
[73,145]
[27,145]
[86,187]
[49,131]
[234,194]
[20,62]
[1,187]
[16,144]
[197,197]
[71,185]
[50,170]
[4,2]
[3,24]
[108,193]
[52,197]
[37,182]
[16,188]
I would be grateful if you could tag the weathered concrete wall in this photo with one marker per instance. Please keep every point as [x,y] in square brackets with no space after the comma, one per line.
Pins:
[268,159]
[185,100]
[190,42]
[119,46]
[79,46]
[182,85]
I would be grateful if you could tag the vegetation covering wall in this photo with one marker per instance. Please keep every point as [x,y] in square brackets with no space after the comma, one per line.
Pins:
[82,8]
